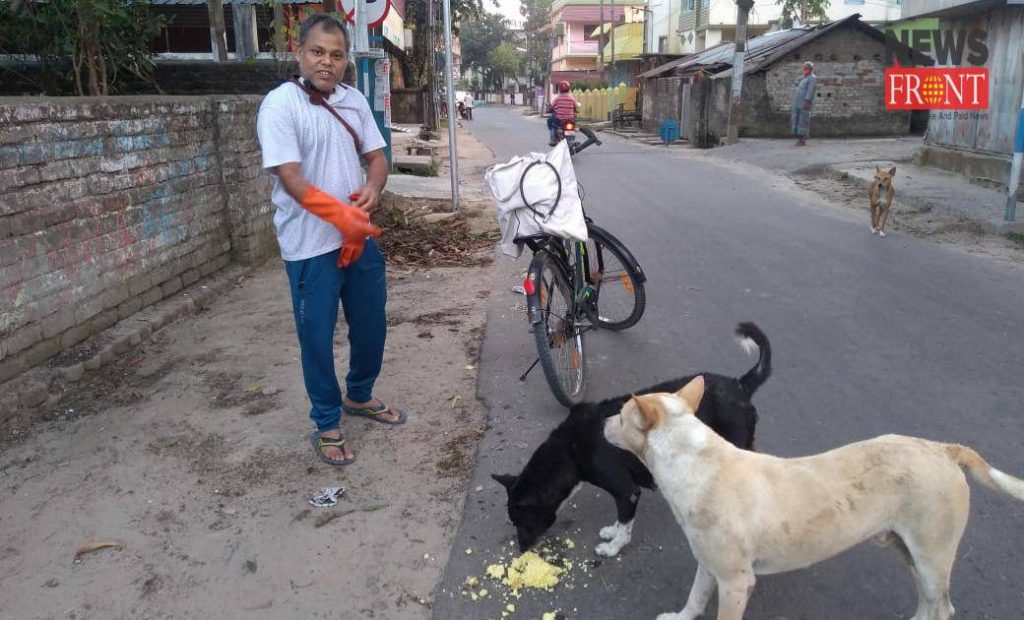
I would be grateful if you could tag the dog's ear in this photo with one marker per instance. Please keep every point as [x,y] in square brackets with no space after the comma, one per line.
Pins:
[649,415]
[892,171]
[877,169]
[692,393]
[506,480]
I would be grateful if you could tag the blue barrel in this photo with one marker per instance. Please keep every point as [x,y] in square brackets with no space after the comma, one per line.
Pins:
[669,131]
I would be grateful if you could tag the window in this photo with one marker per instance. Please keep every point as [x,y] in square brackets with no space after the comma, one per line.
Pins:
[689,5]
[662,45]
[588,32]
[853,1]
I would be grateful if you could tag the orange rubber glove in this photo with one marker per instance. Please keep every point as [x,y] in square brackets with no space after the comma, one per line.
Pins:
[354,223]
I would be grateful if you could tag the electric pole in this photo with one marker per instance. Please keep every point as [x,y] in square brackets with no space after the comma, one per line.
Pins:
[736,108]
[449,81]
[600,38]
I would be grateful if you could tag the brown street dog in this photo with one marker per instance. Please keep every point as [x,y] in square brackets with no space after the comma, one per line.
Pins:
[746,513]
[881,183]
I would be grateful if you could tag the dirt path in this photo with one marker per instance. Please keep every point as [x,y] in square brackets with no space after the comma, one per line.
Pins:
[192,454]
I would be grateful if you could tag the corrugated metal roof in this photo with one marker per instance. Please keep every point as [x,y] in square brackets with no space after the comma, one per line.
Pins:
[723,52]
[767,48]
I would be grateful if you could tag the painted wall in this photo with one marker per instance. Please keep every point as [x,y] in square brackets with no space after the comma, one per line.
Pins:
[110,205]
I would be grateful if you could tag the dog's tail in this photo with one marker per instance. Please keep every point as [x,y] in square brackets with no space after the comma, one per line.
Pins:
[984,473]
[753,339]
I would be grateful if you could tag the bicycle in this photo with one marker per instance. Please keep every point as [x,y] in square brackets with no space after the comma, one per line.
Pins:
[572,287]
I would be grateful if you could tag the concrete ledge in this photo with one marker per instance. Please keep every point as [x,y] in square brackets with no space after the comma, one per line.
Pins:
[44,386]
[991,168]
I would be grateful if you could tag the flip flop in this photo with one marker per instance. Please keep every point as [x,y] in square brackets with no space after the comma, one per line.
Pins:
[375,413]
[320,442]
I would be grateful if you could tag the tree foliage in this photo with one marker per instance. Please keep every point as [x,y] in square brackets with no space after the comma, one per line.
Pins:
[427,43]
[82,46]
[506,61]
[480,37]
[805,10]
[538,38]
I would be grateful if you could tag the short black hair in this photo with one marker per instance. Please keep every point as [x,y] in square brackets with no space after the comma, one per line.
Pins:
[329,23]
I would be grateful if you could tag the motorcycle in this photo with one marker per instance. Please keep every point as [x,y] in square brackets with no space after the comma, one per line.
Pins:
[567,129]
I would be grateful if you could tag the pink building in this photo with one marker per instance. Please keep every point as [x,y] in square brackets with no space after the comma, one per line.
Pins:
[575,25]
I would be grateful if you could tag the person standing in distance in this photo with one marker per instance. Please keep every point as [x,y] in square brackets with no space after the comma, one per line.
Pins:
[803,101]
[312,132]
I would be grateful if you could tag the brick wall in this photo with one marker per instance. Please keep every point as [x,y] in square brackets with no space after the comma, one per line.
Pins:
[849,99]
[661,101]
[175,77]
[110,205]
[850,94]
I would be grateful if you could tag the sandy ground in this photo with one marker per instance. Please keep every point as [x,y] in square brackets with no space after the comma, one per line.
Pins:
[191,453]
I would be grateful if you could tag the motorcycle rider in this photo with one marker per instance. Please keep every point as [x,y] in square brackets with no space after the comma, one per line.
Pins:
[563,108]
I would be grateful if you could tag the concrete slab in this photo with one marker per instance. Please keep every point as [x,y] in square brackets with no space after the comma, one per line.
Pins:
[412,187]
[419,163]
[939,191]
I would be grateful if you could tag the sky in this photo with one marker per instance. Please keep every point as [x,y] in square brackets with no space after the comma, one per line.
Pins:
[508,8]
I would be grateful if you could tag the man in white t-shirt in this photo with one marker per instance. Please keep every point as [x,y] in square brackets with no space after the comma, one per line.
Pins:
[327,245]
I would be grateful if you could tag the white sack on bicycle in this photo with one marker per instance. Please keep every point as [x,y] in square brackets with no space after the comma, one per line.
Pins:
[545,209]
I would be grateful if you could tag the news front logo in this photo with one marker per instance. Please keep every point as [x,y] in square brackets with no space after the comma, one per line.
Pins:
[958,87]
[912,88]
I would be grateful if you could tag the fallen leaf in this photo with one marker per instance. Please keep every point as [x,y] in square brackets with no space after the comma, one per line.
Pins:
[95,546]
[456,400]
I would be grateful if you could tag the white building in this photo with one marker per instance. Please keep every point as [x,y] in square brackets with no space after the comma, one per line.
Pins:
[688,26]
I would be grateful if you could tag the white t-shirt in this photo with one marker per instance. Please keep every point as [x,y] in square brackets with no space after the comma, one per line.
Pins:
[291,129]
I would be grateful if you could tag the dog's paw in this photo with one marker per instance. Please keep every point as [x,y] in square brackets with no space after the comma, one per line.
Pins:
[881,233]
[609,532]
[678,616]
[607,550]
[874,231]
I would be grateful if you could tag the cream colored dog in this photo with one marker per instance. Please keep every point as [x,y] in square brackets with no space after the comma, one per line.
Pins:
[746,514]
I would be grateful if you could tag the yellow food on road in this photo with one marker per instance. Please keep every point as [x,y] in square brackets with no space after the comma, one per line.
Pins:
[531,571]
[496,571]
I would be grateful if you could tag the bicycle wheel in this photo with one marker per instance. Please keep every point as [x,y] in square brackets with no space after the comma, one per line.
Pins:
[618,298]
[558,335]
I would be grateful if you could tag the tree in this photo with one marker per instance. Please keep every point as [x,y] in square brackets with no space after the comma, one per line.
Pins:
[426,42]
[805,10]
[506,61]
[97,41]
[480,37]
[538,38]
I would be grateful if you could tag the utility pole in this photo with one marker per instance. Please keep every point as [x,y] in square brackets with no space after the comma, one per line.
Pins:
[600,38]
[449,81]
[736,108]
[430,111]
[611,72]
[1018,155]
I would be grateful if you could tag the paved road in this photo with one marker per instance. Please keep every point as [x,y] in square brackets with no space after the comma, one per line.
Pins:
[870,336]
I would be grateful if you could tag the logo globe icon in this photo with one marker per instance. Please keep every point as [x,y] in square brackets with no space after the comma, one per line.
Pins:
[933,90]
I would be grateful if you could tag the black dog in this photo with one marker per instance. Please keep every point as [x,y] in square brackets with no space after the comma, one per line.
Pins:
[576,451]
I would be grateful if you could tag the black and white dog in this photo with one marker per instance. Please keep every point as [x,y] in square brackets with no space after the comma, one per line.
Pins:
[576,451]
